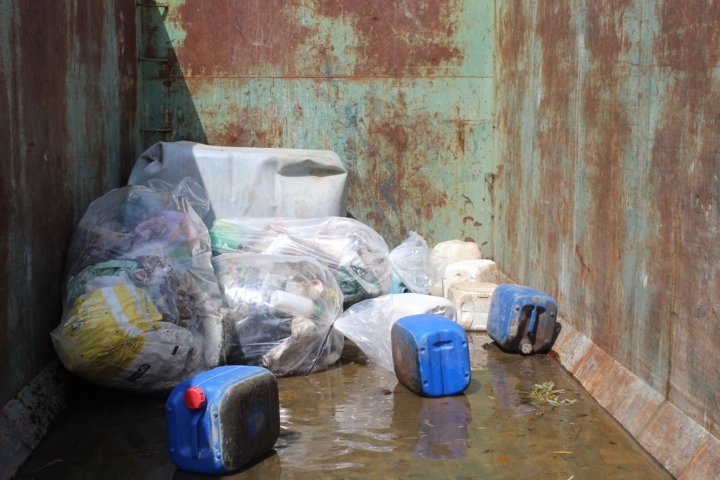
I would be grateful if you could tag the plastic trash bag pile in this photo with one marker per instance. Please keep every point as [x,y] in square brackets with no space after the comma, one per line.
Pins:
[152,296]
[141,299]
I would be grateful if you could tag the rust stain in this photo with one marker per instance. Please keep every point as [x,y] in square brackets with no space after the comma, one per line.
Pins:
[239,37]
[555,140]
[685,199]
[397,176]
[583,265]
[608,135]
[706,462]
[128,71]
[51,101]
[671,436]
[248,127]
[400,37]
[513,42]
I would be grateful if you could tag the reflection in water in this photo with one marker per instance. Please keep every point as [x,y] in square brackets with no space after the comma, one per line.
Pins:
[329,417]
[355,421]
[265,468]
[507,379]
[443,430]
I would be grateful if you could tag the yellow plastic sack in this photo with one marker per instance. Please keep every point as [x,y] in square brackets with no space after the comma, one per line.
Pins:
[114,336]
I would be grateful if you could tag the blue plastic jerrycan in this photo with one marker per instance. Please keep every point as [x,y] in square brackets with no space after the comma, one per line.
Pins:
[222,419]
[430,355]
[522,319]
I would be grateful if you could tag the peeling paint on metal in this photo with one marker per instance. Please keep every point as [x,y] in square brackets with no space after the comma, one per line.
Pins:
[403,92]
[67,110]
[609,194]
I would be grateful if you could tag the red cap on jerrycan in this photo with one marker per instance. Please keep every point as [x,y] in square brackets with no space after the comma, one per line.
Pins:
[194,398]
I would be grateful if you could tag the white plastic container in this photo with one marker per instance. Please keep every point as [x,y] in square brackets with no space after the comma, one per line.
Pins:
[251,182]
[457,251]
[472,304]
[447,253]
[479,270]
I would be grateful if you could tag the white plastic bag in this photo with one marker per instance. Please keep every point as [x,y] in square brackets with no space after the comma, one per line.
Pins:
[154,243]
[278,311]
[369,322]
[411,263]
[356,254]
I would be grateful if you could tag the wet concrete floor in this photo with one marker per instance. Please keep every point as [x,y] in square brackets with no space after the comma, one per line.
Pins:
[356,421]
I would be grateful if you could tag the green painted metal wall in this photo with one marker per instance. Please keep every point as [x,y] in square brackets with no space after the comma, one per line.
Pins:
[67,134]
[402,91]
[577,140]
[608,187]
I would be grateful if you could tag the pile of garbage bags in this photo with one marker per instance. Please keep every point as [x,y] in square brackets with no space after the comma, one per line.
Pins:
[141,299]
[153,296]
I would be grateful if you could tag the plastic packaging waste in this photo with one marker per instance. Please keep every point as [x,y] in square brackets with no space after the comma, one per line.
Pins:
[368,323]
[356,254]
[278,311]
[472,303]
[141,299]
[458,250]
[412,265]
[478,270]
[447,253]
[251,182]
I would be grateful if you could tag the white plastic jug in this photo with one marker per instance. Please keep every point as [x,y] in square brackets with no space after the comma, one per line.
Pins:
[478,270]
[472,304]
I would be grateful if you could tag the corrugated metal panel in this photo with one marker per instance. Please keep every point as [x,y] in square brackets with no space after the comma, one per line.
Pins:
[67,116]
[403,91]
[608,190]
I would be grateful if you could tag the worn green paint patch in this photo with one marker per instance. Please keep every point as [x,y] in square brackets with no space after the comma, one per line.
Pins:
[418,150]
[403,93]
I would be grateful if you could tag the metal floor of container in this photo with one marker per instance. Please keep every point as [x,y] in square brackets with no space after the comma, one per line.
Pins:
[356,421]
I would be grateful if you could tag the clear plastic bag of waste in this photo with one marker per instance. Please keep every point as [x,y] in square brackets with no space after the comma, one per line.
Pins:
[355,253]
[412,265]
[278,311]
[369,322]
[141,299]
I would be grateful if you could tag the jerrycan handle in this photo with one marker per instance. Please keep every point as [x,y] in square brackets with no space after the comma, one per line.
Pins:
[526,344]
[533,321]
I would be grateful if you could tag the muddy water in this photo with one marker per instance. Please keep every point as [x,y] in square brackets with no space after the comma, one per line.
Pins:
[356,421]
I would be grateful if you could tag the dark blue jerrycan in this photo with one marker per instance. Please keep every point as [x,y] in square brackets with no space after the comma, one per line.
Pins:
[430,355]
[222,419]
[522,319]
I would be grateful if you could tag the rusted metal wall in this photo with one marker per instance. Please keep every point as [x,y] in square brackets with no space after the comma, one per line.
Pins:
[401,90]
[67,134]
[608,184]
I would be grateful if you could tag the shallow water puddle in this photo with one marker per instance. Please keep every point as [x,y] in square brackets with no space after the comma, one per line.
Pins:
[356,421]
